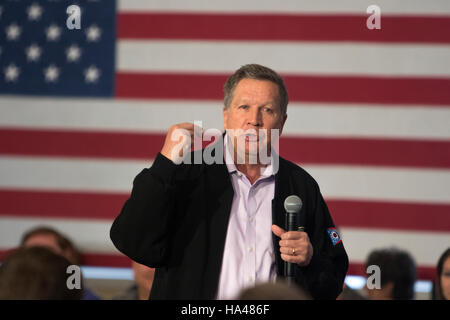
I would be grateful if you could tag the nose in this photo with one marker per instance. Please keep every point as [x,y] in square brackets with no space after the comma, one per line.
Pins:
[255,117]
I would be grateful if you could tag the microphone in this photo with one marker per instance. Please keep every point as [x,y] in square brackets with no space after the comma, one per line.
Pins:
[292,205]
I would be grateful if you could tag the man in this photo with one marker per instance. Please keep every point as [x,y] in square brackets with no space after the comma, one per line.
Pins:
[42,236]
[398,274]
[212,230]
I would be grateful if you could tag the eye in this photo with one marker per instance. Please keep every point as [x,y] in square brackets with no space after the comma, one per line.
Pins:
[243,107]
[269,110]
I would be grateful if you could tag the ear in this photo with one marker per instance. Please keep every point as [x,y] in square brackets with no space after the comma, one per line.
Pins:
[225,117]
[283,121]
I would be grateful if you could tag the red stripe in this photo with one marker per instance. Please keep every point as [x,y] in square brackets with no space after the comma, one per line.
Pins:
[279,27]
[390,215]
[371,152]
[346,213]
[115,260]
[376,152]
[301,88]
[51,204]
[80,144]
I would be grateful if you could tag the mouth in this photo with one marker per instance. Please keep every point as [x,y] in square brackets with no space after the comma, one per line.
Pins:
[251,138]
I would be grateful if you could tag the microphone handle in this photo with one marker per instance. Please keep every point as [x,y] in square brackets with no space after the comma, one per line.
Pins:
[289,268]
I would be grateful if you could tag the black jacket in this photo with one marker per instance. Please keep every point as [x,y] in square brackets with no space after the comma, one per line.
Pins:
[176,220]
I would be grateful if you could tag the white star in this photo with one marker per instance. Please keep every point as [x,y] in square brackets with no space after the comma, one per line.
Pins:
[11,73]
[33,52]
[51,73]
[93,33]
[91,74]
[53,32]
[34,12]
[13,31]
[73,53]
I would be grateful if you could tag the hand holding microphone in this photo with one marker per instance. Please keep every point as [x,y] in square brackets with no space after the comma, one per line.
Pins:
[295,246]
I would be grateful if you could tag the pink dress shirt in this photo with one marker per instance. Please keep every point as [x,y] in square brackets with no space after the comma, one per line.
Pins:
[248,255]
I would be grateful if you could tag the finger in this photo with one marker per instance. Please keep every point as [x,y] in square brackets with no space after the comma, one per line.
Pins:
[277,230]
[185,125]
[191,127]
[290,258]
[292,235]
[288,251]
[292,243]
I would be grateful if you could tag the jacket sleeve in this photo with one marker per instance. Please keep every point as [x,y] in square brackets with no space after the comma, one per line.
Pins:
[324,276]
[141,231]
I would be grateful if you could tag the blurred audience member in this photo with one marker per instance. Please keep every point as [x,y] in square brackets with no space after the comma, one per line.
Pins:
[48,237]
[35,273]
[279,290]
[398,274]
[441,288]
[140,290]
[350,294]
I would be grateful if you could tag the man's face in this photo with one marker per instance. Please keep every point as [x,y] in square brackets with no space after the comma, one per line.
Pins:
[255,105]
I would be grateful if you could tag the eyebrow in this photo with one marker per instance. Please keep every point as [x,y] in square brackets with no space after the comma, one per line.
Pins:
[246,102]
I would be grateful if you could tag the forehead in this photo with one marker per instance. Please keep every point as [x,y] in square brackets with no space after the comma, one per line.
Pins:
[256,91]
[44,239]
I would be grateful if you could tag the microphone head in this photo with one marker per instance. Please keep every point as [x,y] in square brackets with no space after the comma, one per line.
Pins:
[293,204]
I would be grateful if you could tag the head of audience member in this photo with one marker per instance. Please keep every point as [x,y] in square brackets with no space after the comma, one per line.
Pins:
[398,274]
[279,290]
[442,283]
[48,237]
[143,277]
[35,273]
[350,294]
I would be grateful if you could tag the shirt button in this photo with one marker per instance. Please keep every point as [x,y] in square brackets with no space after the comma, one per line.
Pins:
[250,249]
[250,279]
[250,219]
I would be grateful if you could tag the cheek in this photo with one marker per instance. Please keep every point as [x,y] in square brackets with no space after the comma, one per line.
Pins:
[445,282]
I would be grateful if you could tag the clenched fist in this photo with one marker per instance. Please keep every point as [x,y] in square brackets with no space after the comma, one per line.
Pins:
[179,140]
[295,246]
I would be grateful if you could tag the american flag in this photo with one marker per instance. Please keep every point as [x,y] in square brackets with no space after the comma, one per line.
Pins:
[82,111]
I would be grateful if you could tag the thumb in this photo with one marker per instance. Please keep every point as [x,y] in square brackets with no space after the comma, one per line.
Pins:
[277,230]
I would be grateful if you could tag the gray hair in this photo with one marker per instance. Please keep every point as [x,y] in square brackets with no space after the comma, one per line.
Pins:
[257,72]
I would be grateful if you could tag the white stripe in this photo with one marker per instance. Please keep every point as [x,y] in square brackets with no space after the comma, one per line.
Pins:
[382,183]
[370,121]
[339,182]
[284,57]
[349,120]
[425,247]
[88,235]
[69,174]
[93,236]
[418,7]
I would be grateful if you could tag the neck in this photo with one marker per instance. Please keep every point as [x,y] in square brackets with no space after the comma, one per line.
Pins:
[251,171]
